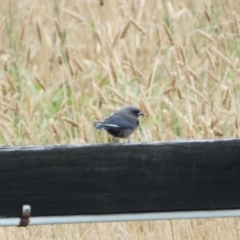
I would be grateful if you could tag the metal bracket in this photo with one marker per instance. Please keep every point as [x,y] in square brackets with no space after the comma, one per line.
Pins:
[26,213]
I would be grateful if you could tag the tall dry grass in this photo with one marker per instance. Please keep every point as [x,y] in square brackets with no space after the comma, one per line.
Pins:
[65,63]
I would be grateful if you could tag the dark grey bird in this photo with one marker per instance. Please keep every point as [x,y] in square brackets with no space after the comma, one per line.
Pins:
[122,123]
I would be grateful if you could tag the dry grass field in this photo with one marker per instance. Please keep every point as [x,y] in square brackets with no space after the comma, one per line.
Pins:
[66,63]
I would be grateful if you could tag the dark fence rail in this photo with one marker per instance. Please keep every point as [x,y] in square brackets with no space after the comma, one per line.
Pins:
[120,178]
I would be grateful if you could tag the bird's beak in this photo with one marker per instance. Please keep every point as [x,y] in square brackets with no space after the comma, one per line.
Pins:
[140,114]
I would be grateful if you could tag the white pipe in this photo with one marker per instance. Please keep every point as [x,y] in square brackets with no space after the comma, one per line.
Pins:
[122,217]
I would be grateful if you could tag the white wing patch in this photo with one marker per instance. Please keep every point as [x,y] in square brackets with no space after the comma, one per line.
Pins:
[110,125]
[106,125]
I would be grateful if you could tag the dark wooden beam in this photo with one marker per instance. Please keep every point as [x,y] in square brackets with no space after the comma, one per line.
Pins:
[120,178]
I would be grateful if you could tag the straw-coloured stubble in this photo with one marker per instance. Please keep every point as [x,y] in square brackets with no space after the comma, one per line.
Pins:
[7,132]
[236,23]
[84,129]
[10,80]
[40,82]
[112,90]
[26,131]
[167,31]
[54,128]
[97,115]
[39,33]
[70,121]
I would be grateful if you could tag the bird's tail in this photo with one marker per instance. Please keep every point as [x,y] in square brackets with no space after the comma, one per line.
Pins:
[98,125]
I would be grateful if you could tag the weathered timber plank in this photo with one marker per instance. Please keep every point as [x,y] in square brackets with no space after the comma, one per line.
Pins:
[115,178]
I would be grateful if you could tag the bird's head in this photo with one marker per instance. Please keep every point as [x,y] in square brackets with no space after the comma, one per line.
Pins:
[134,111]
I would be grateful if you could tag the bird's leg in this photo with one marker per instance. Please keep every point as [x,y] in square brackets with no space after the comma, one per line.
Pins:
[115,140]
[128,140]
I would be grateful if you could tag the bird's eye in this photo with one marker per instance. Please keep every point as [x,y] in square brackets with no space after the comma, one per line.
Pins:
[135,112]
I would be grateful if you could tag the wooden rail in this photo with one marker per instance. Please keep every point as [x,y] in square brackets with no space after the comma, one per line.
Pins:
[120,178]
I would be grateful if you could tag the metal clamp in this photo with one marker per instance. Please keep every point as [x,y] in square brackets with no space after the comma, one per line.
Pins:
[26,213]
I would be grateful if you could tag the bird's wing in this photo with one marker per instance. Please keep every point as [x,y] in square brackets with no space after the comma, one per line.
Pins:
[117,122]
